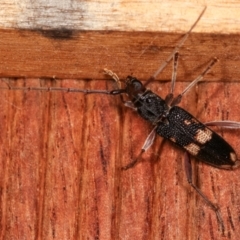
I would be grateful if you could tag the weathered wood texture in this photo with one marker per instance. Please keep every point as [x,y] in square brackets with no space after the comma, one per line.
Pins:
[83,55]
[122,15]
[61,153]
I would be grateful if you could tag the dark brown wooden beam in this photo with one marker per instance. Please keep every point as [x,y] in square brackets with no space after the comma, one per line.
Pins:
[83,55]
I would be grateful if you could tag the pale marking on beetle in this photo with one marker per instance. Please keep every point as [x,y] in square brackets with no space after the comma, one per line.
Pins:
[192,148]
[187,122]
[172,139]
[233,157]
[203,135]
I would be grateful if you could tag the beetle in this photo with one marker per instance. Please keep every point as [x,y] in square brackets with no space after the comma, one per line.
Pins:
[180,127]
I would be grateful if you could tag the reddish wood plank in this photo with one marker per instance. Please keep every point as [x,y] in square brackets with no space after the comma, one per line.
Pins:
[61,157]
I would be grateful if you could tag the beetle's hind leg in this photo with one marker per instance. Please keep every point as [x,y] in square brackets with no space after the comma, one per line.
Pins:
[188,170]
[235,163]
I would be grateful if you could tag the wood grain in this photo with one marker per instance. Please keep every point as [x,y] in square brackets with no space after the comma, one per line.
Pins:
[61,153]
[124,15]
[83,55]
[61,175]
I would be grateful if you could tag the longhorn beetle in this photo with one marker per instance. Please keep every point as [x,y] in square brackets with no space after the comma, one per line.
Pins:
[170,121]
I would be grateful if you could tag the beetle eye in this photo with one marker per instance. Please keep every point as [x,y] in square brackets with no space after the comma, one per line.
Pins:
[134,83]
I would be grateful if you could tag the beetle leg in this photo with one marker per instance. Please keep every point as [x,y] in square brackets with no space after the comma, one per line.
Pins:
[174,73]
[188,170]
[147,144]
[130,105]
[169,97]
[178,98]
[179,45]
[225,124]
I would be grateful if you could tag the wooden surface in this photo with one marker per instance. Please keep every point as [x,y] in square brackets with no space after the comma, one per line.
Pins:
[61,157]
[123,15]
[61,153]
[84,55]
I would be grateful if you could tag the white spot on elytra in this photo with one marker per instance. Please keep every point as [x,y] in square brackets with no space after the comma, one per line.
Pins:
[203,135]
[192,148]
